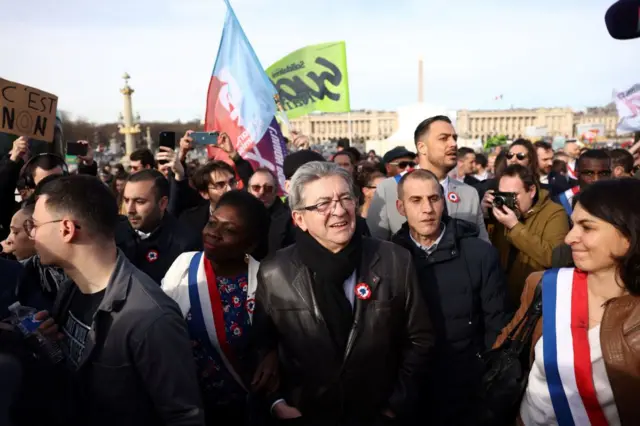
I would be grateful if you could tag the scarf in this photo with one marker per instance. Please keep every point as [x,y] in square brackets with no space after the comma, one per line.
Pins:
[329,271]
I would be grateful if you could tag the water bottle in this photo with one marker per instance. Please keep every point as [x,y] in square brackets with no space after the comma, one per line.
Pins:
[23,317]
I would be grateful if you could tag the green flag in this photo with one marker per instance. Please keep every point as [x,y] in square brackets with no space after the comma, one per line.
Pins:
[313,78]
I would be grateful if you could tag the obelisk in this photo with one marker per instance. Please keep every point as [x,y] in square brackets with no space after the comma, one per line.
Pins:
[129,129]
[420,81]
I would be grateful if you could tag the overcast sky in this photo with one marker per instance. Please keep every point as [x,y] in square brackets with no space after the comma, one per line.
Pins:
[535,53]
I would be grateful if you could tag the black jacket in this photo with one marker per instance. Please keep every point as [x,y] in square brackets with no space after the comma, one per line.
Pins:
[9,174]
[466,292]
[463,286]
[137,367]
[196,218]
[558,184]
[11,271]
[155,254]
[388,347]
[282,230]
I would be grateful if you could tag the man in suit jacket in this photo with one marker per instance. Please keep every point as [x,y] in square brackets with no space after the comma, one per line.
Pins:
[435,140]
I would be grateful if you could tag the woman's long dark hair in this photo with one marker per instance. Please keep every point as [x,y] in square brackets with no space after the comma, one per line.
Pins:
[254,215]
[618,202]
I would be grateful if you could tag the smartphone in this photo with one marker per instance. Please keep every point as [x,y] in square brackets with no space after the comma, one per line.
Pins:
[168,139]
[205,138]
[75,148]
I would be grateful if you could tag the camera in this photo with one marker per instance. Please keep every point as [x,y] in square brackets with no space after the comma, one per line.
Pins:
[505,199]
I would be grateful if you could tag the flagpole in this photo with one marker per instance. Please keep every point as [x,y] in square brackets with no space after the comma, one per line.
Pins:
[349,124]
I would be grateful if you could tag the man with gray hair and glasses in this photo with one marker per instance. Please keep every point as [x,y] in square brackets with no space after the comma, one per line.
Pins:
[343,311]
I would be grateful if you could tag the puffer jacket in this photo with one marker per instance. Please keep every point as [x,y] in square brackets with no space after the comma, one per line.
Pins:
[466,293]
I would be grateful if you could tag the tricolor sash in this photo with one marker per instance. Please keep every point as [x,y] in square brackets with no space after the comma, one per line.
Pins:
[207,312]
[566,199]
[571,172]
[566,351]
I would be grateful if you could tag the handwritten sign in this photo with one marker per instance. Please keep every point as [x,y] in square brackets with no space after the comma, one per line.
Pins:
[27,111]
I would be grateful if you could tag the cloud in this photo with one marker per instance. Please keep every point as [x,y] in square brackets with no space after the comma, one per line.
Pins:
[536,54]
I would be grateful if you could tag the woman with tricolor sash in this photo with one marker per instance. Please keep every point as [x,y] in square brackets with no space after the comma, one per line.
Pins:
[215,291]
[585,350]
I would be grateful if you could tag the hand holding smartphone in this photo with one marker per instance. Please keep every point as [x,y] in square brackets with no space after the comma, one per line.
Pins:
[205,138]
[77,149]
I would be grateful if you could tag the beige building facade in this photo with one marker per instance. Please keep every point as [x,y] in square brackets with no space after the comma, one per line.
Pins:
[607,116]
[514,123]
[368,125]
[365,125]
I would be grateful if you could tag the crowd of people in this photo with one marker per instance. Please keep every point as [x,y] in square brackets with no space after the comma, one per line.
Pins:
[410,288]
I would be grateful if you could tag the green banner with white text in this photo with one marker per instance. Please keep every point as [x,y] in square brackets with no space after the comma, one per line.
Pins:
[313,78]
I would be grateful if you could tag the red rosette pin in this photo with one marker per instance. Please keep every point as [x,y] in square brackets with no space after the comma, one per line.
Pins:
[152,256]
[453,197]
[363,291]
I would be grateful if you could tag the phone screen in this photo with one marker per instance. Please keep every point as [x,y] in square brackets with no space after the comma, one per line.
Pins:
[205,138]
[75,148]
[168,139]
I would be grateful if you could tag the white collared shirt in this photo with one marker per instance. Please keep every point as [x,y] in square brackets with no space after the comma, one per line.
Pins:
[544,179]
[445,185]
[429,250]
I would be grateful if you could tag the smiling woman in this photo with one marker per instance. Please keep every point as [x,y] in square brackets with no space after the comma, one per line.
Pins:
[215,291]
[589,313]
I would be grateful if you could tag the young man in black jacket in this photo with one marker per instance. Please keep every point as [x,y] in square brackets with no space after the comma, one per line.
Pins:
[128,357]
[464,288]
[155,237]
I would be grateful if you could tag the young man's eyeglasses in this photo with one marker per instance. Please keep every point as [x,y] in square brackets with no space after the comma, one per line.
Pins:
[520,156]
[221,185]
[325,207]
[30,226]
[403,164]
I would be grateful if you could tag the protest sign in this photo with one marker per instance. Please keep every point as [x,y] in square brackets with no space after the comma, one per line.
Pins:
[27,111]
[313,78]
[628,106]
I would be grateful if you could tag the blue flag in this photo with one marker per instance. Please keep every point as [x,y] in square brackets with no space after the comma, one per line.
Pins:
[240,100]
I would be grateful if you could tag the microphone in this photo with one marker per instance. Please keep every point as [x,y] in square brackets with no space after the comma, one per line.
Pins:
[623,19]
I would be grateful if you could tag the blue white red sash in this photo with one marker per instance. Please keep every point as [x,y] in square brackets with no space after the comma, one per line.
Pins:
[566,199]
[206,308]
[571,172]
[566,351]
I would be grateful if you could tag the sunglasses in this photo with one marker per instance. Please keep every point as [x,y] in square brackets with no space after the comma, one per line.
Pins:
[520,156]
[267,188]
[404,164]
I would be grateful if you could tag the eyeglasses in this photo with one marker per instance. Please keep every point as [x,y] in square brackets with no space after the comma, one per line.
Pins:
[594,173]
[404,164]
[219,186]
[30,226]
[520,156]
[267,188]
[325,207]
[371,186]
